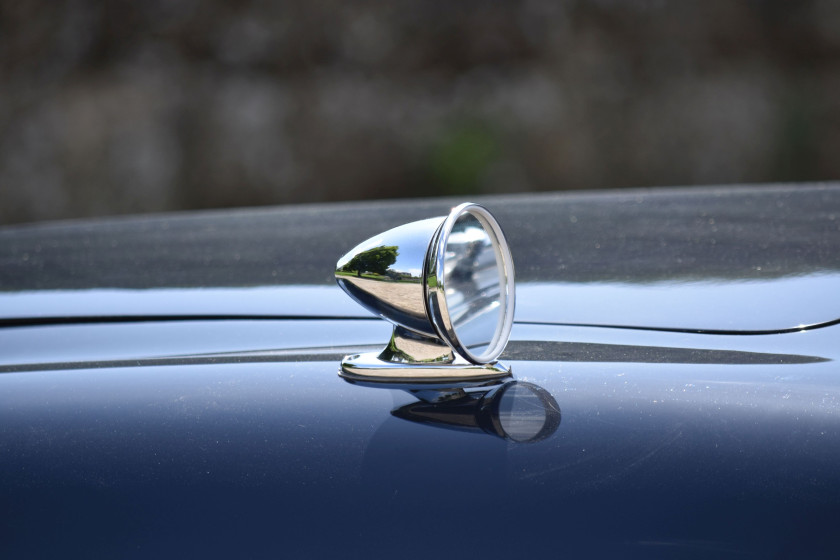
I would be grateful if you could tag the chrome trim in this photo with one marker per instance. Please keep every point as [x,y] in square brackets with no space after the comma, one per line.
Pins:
[392,290]
[369,367]
[436,284]
[403,276]
[407,347]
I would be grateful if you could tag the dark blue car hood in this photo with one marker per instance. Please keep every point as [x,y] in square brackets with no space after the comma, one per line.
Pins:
[169,388]
[748,259]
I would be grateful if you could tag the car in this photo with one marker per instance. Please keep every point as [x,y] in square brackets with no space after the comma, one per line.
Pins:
[172,386]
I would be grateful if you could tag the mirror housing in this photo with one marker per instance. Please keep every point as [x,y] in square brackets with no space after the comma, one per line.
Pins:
[447,285]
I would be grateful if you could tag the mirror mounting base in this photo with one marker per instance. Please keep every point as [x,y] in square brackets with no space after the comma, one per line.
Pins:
[415,358]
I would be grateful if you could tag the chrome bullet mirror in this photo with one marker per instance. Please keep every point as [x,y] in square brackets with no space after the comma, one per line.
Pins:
[447,285]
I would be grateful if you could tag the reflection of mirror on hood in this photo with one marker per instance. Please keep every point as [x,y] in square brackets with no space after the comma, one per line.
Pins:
[517,411]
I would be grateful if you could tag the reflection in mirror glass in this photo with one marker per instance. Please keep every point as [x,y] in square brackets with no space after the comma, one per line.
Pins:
[473,280]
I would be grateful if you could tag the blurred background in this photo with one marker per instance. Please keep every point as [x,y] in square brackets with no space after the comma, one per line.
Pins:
[112,107]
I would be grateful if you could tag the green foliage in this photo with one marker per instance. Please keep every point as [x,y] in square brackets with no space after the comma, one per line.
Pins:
[461,157]
[374,261]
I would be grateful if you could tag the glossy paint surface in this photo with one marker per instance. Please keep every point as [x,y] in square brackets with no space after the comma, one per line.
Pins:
[731,259]
[238,437]
[198,412]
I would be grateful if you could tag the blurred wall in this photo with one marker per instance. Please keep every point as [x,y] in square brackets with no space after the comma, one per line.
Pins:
[135,106]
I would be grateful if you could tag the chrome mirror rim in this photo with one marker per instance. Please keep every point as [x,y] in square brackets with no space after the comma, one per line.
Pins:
[435,284]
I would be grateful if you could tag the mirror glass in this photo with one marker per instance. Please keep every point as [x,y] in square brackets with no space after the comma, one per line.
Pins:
[474,285]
